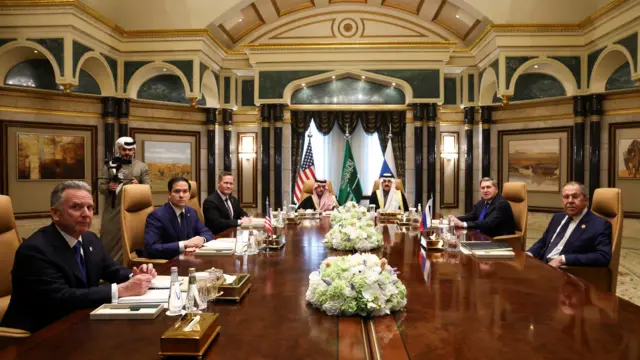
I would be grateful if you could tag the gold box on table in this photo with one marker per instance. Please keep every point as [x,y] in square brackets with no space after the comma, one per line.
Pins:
[277,242]
[177,342]
[388,217]
[292,220]
[237,289]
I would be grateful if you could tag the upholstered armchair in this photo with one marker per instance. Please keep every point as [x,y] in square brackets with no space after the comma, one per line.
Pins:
[307,188]
[194,200]
[606,203]
[136,205]
[516,194]
[9,242]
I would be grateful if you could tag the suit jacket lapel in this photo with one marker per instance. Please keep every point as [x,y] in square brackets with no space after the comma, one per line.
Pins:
[89,260]
[66,253]
[173,218]
[577,231]
[222,206]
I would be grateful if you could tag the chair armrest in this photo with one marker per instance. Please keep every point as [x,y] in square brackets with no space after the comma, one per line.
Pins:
[515,241]
[598,276]
[13,333]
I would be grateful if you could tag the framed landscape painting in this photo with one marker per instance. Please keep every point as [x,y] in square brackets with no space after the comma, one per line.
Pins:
[38,156]
[168,153]
[624,163]
[541,159]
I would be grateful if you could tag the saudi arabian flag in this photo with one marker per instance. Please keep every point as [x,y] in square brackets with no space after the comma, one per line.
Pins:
[350,187]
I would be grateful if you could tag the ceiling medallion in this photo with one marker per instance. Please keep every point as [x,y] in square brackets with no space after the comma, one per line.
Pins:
[348,27]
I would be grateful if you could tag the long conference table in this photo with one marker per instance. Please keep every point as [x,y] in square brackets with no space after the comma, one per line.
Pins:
[458,308]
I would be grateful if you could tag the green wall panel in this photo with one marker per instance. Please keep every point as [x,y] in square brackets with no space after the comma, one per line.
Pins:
[621,79]
[79,50]
[113,65]
[573,64]
[631,43]
[186,66]
[424,83]
[273,83]
[248,87]
[349,91]
[537,86]
[38,74]
[130,68]
[512,63]
[471,85]
[227,89]
[591,61]
[167,88]
[6,41]
[56,48]
[450,91]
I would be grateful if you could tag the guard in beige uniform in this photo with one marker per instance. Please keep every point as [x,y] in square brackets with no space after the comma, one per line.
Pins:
[119,172]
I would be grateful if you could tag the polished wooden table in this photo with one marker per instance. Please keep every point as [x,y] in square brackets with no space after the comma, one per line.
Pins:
[458,308]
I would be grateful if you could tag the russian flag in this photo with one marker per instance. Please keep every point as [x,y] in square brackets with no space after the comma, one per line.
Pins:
[388,163]
[425,220]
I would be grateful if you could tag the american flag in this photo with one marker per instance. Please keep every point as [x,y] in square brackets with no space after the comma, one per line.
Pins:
[267,220]
[307,172]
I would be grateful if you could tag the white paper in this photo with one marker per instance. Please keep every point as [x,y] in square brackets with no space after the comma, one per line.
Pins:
[228,279]
[220,244]
[152,296]
[161,282]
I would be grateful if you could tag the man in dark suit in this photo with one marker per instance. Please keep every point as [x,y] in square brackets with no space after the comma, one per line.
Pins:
[492,215]
[577,236]
[58,269]
[222,210]
[175,227]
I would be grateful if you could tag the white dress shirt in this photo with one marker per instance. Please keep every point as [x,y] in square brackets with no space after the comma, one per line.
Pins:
[574,222]
[178,212]
[72,242]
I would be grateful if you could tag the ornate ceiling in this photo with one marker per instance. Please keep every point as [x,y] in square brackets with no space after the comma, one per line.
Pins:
[236,22]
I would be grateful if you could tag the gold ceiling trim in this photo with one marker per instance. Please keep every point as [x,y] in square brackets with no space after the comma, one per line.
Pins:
[283,12]
[355,45]
[601,12]
[471,29]
[333,34]
[347,1]
[361,13]
[399,6]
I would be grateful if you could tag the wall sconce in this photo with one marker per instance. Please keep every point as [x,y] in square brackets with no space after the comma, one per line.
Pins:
[449,146]
[247,145]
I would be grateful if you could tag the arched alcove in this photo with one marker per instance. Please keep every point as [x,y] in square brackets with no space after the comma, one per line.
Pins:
[96,65]
[531,86]
[16,52]
[556,73]
[609,61]
[167,88]
[152,70]
[348,90]
[210,89]
[39,74]
[621,79]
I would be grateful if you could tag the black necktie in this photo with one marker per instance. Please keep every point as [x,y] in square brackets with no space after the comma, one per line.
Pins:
[559,236]
[77,249]
[226,202]
[183,224]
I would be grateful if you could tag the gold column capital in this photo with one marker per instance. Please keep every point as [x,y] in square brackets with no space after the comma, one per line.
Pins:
[124,121]
[109,120]
[431,124]
[228,127]
[278,124]
[594,118]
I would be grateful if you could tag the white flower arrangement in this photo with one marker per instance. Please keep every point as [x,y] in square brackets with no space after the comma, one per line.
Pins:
[348,213]
[358,235]
[359,284]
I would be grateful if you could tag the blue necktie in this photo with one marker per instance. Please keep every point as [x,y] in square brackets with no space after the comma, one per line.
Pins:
[77,247]
[483,213]
[556,240]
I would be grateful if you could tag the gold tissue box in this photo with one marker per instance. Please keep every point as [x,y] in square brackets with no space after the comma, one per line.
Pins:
[277,242]
[237,289]
[176,342]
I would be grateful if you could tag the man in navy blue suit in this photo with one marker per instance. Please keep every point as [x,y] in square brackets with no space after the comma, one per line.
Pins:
[577,236]
[175,227]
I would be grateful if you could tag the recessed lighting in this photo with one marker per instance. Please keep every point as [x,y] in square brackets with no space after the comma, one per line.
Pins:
[240,20]
[164,69]
[364,77]
[35,51]
[458,16]
[535,66]
[303,84]
[393,84]
[333,77]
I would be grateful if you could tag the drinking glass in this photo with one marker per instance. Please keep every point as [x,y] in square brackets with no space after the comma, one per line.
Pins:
[203,291]
[292,210]
[451,242]
[372,209]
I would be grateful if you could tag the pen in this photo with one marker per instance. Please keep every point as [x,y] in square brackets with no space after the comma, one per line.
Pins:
[193,323]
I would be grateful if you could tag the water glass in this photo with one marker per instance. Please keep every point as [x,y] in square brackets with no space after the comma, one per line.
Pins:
[203,291]
[372,209]
[292,210]
[451,242]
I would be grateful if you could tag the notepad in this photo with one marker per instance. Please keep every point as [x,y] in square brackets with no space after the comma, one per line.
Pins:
[152,296]
[486,245]
[494,254]
[220,244]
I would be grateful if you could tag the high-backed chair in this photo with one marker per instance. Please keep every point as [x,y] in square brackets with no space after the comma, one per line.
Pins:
[194,200]
[9,242]
[307,188]
[136,205]
[606,203]
[516,194]
[399,186]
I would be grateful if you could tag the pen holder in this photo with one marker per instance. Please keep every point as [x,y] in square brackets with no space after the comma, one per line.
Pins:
[177,342]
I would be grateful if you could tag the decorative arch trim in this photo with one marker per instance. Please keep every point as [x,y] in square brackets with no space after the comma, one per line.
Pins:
[210,89]
[550,67]
[154,69]
[329,76]
[611,58]
[488,87]
[18,51]
[95,64]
